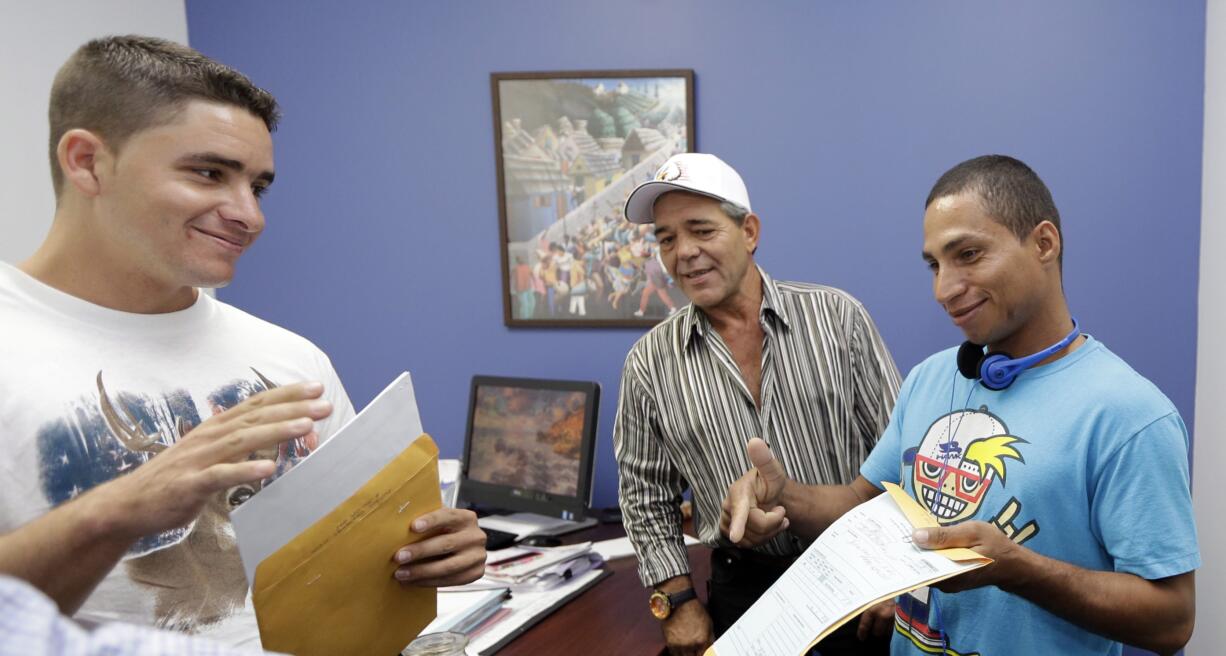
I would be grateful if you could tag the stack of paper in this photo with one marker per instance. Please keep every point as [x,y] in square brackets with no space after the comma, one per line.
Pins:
[540,568]
[464,611]
[539,579]
[523,610]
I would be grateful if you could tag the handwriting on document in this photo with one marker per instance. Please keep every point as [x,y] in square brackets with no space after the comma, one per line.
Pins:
[863,558]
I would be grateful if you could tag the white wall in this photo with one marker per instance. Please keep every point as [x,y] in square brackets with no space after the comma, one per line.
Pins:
[36,36]
[1209,448]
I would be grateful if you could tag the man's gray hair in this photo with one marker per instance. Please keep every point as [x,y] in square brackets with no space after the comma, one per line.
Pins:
[735,211]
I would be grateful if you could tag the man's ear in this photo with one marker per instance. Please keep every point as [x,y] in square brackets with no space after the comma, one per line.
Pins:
[752,229]
[81,154]
[1047,242]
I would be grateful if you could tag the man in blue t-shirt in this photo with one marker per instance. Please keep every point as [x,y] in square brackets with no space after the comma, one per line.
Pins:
[1068,469]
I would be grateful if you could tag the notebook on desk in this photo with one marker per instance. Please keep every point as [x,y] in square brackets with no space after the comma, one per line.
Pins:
[525,609]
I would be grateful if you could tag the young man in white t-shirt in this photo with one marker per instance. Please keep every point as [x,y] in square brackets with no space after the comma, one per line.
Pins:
[140,409]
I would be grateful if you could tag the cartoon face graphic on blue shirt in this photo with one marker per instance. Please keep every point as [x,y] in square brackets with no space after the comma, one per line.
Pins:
[961,456]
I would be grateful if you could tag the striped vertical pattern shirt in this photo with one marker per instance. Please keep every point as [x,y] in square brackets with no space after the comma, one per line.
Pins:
[685,414]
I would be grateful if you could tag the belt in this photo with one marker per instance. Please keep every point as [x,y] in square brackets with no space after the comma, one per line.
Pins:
[732,557]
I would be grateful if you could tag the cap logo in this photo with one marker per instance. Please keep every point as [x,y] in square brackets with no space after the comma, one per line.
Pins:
[671,171]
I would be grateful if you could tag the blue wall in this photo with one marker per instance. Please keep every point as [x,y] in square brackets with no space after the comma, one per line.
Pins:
[382,244]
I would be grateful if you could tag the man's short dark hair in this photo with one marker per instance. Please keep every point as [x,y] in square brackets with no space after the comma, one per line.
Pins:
[1009,191]
[118,85]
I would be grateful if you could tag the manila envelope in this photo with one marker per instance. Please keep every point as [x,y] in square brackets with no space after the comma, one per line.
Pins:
[330,590]
[921,518]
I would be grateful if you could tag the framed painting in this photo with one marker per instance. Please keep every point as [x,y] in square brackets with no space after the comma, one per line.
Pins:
[570,147]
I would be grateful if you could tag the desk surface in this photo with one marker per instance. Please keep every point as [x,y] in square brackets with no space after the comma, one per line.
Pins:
[609,618]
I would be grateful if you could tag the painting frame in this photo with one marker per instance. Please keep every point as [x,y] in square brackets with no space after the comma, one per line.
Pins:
[569,146]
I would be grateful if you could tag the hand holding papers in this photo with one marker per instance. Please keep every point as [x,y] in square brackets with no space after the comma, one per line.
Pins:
[331,590]
[318,542]
[863,558]
[332,473]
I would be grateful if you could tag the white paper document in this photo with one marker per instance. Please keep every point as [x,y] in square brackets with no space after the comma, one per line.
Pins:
[329,475]
[863,558]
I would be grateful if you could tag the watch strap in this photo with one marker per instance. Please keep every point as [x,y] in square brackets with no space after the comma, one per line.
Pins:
[680,597]
[664,603]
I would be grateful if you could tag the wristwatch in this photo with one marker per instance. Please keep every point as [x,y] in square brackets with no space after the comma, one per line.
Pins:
[663,603]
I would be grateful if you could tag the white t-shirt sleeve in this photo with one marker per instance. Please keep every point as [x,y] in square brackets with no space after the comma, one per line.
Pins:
[334,391]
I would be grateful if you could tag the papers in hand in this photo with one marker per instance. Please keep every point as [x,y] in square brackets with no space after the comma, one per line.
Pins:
[317,543]
[328,476]
[862,559]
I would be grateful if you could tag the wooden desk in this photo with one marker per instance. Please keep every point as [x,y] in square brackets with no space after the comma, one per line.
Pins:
[611,617]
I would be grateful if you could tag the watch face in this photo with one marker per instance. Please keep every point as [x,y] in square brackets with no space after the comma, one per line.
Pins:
[660,607]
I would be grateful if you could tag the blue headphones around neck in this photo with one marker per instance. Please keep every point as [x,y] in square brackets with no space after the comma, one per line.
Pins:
[998,370]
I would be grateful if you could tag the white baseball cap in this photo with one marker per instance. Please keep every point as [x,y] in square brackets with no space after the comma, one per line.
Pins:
[697,173]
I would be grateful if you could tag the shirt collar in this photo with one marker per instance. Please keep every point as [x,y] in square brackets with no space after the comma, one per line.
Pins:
[697,324]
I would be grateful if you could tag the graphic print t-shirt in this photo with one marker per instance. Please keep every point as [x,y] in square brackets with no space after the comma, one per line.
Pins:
[88,394]
[1082,460]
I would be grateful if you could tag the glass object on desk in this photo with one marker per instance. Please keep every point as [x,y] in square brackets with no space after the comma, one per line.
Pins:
[446,643]
[448,480]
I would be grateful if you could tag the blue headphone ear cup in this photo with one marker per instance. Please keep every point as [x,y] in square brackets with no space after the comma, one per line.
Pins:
[994,372]
[970,355]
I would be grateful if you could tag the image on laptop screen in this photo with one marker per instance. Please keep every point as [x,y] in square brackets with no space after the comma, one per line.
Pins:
[527,438]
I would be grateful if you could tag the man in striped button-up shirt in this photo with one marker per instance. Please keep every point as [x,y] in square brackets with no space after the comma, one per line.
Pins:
[799,365]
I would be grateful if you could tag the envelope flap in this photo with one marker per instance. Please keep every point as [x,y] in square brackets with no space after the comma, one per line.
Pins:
[401,470]
[921,518]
